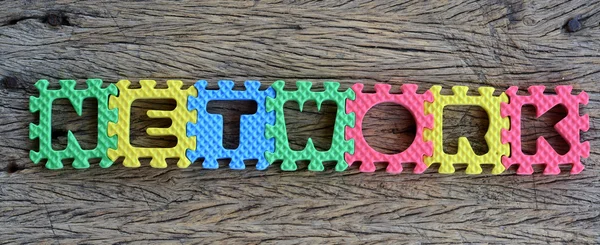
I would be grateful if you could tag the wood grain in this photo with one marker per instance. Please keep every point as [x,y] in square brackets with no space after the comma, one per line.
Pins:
[473,43]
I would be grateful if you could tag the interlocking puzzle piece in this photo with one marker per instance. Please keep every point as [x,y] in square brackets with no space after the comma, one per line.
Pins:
[339,146]
[209,127]
[465,154]
[179,117]
[43,131]
[410,100]
[568,128]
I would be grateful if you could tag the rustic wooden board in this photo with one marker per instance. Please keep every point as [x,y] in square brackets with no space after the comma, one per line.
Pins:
[474,43]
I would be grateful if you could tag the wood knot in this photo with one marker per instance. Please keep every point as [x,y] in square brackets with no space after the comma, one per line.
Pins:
[10,83]
[573,24]
[13,167]
[57,19]
[56,133]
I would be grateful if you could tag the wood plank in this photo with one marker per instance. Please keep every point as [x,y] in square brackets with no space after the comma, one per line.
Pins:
[481,43]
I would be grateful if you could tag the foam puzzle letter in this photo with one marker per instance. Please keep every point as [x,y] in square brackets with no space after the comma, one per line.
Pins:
[180,116]
[208,129]
[410,100]
[569,128]
[43,131]
[465,154]
[339,146]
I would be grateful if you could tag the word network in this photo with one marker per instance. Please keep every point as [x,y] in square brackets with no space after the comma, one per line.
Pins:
[263,135]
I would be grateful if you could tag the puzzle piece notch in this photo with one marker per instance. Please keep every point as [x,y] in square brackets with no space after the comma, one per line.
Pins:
[465,154]
[278,131]
[43,105]
[410,100]
[209,127]
[179,117]
[569,128]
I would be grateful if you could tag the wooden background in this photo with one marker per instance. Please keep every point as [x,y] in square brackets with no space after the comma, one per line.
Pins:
[494,42]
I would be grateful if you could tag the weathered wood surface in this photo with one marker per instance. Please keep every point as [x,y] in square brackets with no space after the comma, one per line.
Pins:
[474,43]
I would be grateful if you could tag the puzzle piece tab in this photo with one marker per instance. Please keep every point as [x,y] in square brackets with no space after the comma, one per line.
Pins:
[339,146]
[43,105]
[179,116]
[465,154]
[208,129]
[569,128]
[410,100]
